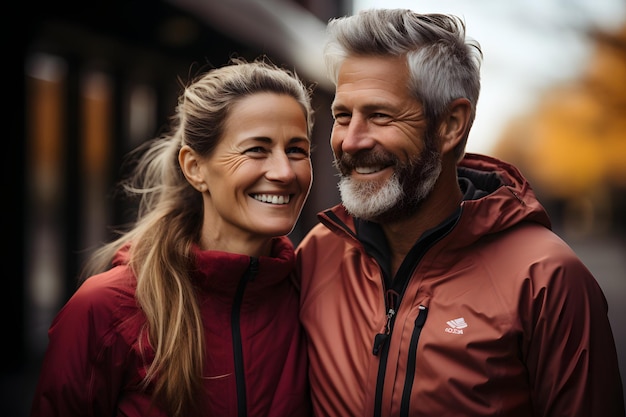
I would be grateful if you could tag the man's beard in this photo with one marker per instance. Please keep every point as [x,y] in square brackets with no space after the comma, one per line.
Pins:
[396,198]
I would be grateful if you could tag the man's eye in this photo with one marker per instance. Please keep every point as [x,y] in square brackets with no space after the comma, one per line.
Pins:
[342,118]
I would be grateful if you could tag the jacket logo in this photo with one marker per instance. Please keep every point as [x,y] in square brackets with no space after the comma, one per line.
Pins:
[456,326]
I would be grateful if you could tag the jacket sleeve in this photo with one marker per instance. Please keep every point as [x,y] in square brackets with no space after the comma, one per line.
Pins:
[571,357]
[81,374]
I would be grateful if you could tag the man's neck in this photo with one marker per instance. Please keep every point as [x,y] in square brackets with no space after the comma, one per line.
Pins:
[439,205]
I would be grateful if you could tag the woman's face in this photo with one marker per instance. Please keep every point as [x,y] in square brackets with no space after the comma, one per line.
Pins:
[259,175]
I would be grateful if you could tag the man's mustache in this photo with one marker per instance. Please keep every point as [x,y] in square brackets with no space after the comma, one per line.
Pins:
[346,163]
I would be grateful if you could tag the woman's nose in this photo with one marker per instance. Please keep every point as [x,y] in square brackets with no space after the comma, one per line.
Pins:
[280,168]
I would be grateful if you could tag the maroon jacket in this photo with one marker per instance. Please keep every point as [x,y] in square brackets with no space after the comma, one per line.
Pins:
[490,314]
[93,362]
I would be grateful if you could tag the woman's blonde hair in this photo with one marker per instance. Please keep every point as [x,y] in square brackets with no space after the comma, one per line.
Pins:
[169,222]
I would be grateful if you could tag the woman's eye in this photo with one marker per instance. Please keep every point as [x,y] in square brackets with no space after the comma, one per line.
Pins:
[255,149]
[297,151]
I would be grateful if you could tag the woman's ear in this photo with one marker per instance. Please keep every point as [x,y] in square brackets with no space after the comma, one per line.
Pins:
[455,126]
[190,165]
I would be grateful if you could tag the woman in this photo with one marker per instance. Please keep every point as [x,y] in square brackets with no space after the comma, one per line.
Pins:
[197,315]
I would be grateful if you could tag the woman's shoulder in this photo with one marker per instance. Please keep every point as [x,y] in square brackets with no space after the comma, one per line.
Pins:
[118,279]
[102,315]
[105,293]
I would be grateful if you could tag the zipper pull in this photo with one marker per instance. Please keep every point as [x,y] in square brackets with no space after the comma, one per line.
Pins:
[381,338]
[253,269]
[379,341]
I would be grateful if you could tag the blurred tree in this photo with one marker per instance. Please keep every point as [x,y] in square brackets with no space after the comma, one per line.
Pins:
[572,145]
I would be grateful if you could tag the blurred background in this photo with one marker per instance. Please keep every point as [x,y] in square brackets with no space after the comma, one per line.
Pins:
[92,80]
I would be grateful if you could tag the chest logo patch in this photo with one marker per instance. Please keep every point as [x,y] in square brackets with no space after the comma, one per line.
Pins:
[456,326]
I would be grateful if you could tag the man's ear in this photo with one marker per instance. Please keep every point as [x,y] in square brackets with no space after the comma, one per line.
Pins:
[190,165]
[455,126]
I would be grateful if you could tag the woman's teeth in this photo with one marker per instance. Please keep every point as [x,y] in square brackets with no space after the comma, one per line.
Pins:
[272,199]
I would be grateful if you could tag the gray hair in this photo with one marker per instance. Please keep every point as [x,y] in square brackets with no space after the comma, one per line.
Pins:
[444,64]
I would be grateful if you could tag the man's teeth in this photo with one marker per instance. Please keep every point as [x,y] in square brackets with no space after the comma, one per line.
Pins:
[272,199]
[367,170]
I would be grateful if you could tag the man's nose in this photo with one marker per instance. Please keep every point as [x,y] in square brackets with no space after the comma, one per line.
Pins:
[357,136]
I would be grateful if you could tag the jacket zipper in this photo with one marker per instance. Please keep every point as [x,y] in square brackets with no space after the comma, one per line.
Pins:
[381,346]
[393,298]
[240,380]
[390,302]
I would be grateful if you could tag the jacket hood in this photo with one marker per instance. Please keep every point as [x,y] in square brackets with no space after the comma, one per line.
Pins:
[503,198]
[496,197]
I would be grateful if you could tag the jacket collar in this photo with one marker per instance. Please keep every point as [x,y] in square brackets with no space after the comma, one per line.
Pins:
[221,271]
[496,197]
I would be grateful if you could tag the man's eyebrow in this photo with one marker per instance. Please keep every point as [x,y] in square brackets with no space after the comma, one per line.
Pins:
[336,106]
[367,108]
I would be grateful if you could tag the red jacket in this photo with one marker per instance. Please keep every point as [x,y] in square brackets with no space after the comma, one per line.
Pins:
[492,314]
[93,362]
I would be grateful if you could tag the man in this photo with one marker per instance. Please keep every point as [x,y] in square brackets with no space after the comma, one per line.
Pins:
[437,287]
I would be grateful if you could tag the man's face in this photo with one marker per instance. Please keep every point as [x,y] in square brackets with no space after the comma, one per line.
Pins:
[388,163]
